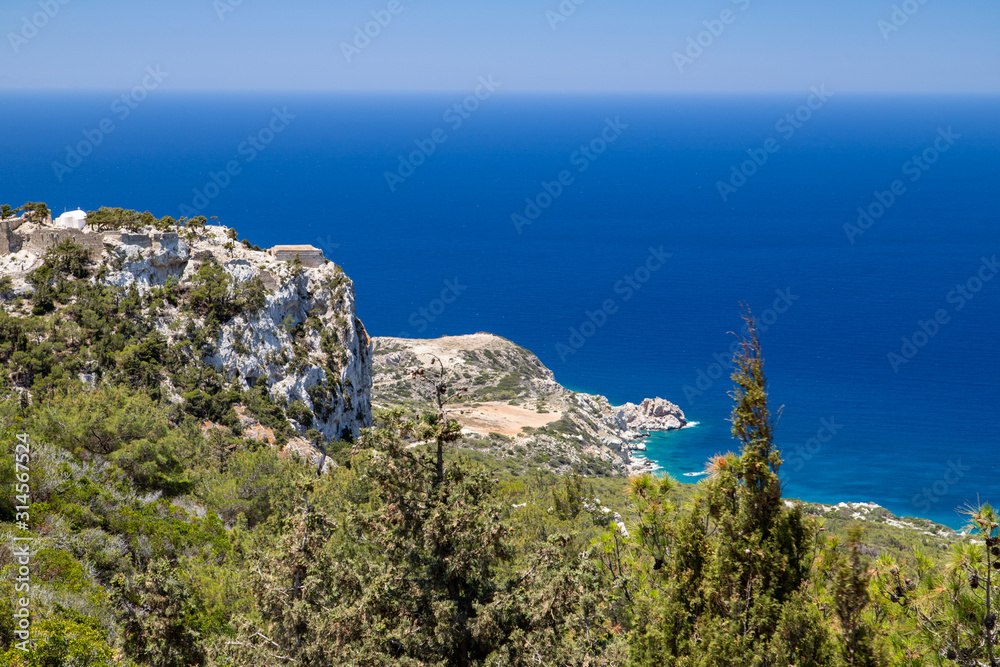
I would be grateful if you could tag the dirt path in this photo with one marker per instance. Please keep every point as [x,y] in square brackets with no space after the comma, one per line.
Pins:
[503,418]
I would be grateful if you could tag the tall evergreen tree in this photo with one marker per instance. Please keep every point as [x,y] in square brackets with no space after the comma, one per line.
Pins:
[731,587]
[851,589]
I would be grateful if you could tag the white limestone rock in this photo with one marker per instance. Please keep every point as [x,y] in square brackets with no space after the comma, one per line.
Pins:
[653,414]
[258,344]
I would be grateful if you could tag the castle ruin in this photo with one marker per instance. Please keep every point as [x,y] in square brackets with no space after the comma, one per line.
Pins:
[309,256]
[16,236]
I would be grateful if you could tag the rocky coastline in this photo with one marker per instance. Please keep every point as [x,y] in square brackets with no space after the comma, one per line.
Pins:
[636,422]
[514,403]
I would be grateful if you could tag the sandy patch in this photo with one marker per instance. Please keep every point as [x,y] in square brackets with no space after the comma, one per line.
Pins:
[448,348]
[502,418]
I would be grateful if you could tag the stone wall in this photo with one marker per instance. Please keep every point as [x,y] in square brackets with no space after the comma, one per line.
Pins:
[9,241]
[141,240]
[309,256]
[42,239]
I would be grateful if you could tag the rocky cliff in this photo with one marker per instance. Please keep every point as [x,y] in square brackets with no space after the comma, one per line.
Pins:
[234,307]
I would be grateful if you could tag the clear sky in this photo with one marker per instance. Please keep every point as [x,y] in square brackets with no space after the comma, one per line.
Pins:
[602,45]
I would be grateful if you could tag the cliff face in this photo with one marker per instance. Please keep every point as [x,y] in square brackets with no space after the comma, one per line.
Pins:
[305,341]
[256,345]
[300,337]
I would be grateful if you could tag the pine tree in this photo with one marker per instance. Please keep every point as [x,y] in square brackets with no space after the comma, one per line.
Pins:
[436,425]
[950,615]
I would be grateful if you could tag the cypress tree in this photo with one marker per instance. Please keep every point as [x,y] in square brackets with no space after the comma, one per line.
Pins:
[730,591]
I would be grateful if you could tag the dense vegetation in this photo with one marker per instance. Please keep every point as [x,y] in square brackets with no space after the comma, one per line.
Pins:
[160,541]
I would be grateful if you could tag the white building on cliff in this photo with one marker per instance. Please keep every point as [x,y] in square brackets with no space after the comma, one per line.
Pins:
[72,220]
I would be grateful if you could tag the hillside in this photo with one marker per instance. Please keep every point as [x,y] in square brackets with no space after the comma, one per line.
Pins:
[512,407]
[199,480]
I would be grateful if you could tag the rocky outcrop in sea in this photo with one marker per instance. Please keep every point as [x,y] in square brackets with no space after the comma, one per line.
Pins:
[653,414]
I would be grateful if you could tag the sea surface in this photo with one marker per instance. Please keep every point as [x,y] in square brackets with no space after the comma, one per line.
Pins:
[628,277]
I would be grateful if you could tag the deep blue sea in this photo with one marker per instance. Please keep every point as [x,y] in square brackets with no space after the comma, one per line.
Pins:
[918,436]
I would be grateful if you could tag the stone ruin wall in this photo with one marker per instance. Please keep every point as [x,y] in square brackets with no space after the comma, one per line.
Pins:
[41,240]
[310,258]
[9,240]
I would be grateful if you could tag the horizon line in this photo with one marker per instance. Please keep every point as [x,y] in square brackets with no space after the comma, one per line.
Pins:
[518,91]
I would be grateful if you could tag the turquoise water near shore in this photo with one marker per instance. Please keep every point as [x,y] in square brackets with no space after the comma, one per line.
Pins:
[577,286]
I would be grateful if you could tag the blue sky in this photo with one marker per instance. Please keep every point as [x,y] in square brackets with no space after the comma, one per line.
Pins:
[603,45]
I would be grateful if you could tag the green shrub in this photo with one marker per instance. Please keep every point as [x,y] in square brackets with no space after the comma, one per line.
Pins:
[257,484]
[68,258]
[154,465]
[99,421]
[298,411]
[58,642]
